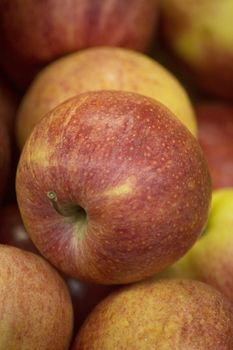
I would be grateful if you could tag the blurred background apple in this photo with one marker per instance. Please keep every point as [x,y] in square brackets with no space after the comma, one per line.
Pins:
[97,69]
[200,34]
[33,32]
[215,134]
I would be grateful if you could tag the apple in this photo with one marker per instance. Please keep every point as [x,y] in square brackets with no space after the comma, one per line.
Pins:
[211,258]
[112,187]
[84,296]
[35,306]
[200,34]
[215,134]
[165,314]
[100,68]
[34,33]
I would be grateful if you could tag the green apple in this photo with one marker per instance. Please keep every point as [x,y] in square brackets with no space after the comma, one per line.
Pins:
[211,258]
[112,187]
[161,315]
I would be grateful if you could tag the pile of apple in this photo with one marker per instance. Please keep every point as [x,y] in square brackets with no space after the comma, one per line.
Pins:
[116,169]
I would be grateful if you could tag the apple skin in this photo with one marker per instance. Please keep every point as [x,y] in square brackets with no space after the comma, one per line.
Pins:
[84,296]
[215,134]
[112,187]
[101,68]
[200,34]
[211,258]
[35,306]
[34,33]
[168,314]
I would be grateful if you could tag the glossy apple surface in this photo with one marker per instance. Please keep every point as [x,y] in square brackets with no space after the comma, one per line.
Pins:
[176,314]
[101,68]
[34,33]
[215,134]
[112,187]
[35,306]
[200,33]
[211,258]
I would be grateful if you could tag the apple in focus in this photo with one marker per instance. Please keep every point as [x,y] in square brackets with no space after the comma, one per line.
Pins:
[165,314]
[35,306]
[215,134]
[200,34]
[101,68]
[211,258]
[34,33]
[84,296]
[112,187]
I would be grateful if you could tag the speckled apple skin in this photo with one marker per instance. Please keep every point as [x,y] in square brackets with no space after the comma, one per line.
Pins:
[137,171]
[200,34]
[211,258]
[35,306]
[34,33]
[101,68]
[161,315]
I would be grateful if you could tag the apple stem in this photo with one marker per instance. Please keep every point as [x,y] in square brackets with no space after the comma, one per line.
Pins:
[64,210]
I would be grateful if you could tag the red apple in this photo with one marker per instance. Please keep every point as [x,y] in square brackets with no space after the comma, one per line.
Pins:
[176,314]
[101,68]
[211,258]
[215,125]
[84,296]
[35,306]
[34,33]
[200,34]
[112,187]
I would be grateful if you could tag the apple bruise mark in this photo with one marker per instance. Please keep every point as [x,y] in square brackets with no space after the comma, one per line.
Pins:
[75,211]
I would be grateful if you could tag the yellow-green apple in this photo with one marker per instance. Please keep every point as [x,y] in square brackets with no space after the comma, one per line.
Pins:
[215,134]
[34,33]
[200,34]
[84,296]
[101,68]
[112,187]
[211,258]
[162,315]
[35,306]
